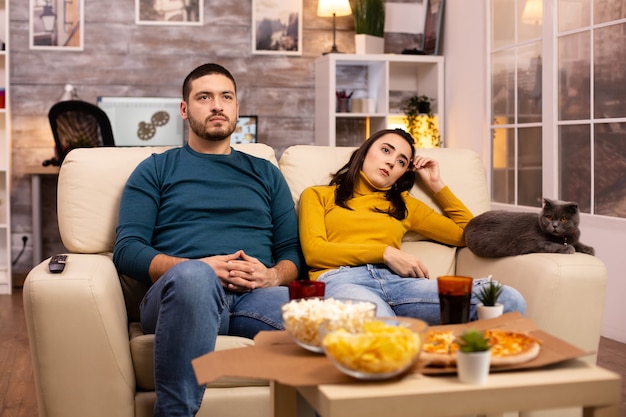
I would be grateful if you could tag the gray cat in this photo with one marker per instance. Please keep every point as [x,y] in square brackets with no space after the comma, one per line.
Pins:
[503,233]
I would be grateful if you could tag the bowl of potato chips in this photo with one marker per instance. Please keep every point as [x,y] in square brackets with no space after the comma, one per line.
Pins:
[379,349]
[303,317]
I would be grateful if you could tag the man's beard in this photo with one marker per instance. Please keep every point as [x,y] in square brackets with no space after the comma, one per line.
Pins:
[217,134]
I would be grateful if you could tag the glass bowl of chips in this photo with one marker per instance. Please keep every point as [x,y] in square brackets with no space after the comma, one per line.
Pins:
[380,349]
[302,318]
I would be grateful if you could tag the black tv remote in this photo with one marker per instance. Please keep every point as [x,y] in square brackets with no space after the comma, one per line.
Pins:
[57,263]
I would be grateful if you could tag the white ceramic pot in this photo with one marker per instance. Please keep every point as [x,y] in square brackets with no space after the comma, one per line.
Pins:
[368,44]
[489,312]
[473,367]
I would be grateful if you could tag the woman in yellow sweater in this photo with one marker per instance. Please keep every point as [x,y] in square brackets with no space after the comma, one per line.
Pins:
[350,230]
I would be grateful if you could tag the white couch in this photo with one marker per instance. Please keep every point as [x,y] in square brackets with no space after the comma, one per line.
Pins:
[90,359]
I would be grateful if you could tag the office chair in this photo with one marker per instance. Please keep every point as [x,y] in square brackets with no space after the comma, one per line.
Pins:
[78,124]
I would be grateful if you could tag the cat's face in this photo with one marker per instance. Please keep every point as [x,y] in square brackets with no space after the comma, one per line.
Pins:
[559,218]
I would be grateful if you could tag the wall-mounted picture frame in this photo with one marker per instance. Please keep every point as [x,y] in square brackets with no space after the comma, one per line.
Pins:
[277,27]
[56,24]
[169,12]
[432,27]
[246,130]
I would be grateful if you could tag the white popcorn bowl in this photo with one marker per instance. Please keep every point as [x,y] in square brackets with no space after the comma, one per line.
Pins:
[302,318]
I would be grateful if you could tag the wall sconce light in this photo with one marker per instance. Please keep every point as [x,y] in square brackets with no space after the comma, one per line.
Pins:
[48,18]
[334,8]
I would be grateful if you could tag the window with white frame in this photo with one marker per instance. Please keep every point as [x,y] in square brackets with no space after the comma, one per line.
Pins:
[588,49]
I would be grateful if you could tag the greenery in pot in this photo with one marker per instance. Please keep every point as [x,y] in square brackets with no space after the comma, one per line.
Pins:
[417,111]
[489,293]
[473,341]
[369,17]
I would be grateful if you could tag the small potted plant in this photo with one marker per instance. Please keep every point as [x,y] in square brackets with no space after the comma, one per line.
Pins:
[473,357]
[369,25]
[421,122]
[488,295]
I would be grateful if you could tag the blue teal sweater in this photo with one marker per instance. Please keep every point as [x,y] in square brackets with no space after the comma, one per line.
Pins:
[186,204]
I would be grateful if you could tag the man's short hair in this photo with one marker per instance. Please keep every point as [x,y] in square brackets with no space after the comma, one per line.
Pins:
[201,71]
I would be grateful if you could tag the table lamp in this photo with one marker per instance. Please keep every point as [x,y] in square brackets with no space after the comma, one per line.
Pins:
[334,8]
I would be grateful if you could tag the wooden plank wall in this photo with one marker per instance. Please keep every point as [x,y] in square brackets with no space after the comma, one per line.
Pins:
[121,58]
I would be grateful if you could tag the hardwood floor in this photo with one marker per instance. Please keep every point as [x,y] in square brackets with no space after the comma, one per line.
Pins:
[17,387]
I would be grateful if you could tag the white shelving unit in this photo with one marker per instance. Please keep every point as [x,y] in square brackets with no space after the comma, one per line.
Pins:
[388,81]
[5,154]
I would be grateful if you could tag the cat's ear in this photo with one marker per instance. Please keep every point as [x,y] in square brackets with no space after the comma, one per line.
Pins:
[572,208]
[547,203]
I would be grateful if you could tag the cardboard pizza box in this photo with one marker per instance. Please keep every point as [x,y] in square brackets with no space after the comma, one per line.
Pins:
[275,356]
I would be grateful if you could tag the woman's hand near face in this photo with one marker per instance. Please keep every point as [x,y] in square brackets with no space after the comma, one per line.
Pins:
[404,264]
[428,170]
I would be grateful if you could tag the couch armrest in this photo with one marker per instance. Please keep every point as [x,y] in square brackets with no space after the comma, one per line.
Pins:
[78,333]
[564,293]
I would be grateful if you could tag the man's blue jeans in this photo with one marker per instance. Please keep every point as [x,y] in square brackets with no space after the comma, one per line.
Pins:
[398,296]
[186,309]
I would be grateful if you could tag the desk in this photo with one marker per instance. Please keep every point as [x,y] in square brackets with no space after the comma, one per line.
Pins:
[35,172]
[573,383]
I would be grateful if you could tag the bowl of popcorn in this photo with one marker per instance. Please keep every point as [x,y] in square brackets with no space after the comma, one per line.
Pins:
[303,317]
[379,349]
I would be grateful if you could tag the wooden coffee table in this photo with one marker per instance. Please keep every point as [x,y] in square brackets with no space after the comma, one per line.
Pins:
[574,383]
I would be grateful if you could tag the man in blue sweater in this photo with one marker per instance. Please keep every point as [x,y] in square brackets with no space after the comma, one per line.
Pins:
[214,231]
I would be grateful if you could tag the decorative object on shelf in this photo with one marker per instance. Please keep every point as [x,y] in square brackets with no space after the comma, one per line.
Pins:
[421,122]
[184,12]
[488,295]
[432,27]
[473,357]
[51,27]
[369,23]
[333,8]
[277,27]
[343,101]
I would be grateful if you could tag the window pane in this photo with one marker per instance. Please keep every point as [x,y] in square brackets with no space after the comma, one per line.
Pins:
[529,83]
[609,74]
[529,166]
[606,11]
[575,165]
[503,86]
[610,169]
[574,77]
[503,163]
[573,14]
[502,23]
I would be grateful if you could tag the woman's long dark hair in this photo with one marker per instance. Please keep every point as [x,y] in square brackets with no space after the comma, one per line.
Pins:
[346,178]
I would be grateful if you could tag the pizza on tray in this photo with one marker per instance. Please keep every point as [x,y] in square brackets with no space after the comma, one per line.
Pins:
[507,348]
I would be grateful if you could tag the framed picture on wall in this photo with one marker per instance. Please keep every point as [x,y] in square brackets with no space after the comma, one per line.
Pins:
[432,27]
[169,12]
[56,24]
[277,27]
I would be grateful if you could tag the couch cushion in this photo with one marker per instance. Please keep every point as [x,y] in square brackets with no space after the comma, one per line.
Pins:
[90,186]
[142,352]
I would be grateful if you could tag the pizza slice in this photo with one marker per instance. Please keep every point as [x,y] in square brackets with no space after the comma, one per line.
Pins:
[507,348]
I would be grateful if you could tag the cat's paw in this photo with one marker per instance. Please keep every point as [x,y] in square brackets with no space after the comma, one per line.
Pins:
[586,249]
[567,249]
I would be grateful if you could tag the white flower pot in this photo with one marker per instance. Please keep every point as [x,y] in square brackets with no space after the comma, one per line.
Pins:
[473,367]
[368,44]
[489,312]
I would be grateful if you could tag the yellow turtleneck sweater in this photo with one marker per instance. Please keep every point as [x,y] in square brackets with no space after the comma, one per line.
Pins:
[332,236]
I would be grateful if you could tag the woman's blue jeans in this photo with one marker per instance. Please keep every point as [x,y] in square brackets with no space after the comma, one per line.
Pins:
[186,309]
[398,296]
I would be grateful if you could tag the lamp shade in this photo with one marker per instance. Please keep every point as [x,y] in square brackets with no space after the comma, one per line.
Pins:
[533,12]
[329,8]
